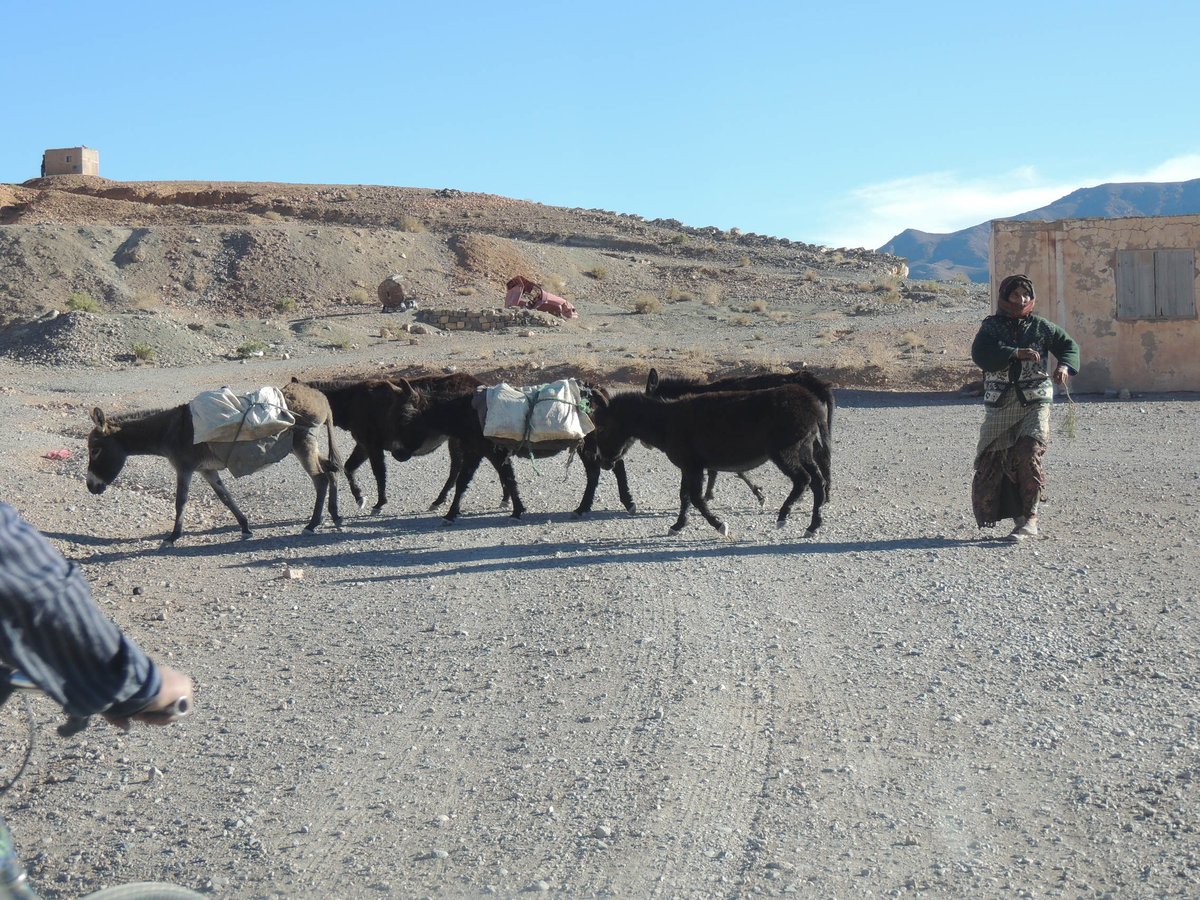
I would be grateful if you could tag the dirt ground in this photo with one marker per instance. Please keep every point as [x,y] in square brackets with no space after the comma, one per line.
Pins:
[593,708]
[901,705]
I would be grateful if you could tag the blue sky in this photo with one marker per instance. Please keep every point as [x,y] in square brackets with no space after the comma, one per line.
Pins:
[839,124]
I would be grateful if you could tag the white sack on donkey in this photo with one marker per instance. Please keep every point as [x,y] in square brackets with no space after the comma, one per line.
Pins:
[247,432]
[223,415]
[544,412]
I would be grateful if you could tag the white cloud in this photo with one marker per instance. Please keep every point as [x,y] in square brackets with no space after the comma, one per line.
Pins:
[941,202]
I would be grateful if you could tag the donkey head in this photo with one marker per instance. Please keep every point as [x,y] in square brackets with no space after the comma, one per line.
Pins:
[398,411]
[612,440]
[106,454]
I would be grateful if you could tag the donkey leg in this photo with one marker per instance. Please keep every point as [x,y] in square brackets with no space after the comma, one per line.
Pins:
[684,503]
[333,500]
[508,481]
[379,470]
[308,455]
[356,458]
[321,487]
[592,468]
[712,483]
[454,449]
[820,492]
[694,482]
[183,483]
[466,472]
[623,486]
[754,489]
[218,486]
[823,455]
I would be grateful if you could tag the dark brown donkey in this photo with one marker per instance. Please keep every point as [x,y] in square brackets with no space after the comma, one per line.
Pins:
[730,432]
[671,388]
[168,433]
[419,415]
[359,407]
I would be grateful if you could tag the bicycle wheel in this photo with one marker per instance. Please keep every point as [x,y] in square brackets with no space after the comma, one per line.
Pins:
[144,890]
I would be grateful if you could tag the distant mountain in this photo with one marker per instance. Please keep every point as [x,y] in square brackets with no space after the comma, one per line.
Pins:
[942,256]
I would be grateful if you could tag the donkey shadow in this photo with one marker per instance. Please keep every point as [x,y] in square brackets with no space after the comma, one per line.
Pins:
[412,562]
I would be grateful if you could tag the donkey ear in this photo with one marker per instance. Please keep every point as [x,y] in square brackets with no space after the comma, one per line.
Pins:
[100,419]
[652,381]
[401,387]
[295,380]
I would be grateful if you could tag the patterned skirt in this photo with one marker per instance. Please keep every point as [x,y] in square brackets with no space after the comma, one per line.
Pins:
[1009,472]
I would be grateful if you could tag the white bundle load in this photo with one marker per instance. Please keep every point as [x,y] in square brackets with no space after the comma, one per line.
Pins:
[224,416]
[544,412]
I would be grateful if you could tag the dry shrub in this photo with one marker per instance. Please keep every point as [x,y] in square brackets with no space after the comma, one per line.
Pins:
[758,306]
[712,295]
[911,340]
[678,295]
[743,262]
[597,272]
[647,303]
[272,216]
[361,297]
[810,275]
[555,284]
[465,291]
[83,303]
[411,224]
[741,321]
[143,352]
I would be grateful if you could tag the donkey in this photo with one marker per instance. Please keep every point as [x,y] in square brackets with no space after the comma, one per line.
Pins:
[359,407]
[730,432]
[419,415]
[672,388]
[169,433]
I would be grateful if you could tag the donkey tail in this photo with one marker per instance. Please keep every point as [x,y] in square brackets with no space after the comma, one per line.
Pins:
[334,462]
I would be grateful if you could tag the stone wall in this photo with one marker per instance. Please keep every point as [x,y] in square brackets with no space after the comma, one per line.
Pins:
[486,319]
[1073,264]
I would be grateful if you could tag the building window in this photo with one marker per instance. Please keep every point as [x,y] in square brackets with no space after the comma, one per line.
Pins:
[1156,284]
[68,157]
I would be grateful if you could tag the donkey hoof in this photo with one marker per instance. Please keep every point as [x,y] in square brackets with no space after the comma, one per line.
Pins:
[810,532]
[632,507]
[724,529]
[361,501]
[674,529]
[779,523]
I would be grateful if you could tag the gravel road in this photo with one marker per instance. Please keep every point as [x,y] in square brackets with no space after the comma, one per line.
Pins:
[594,708]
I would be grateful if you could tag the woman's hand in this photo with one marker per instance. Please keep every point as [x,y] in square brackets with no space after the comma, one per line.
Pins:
[1060,375]
[1028,354]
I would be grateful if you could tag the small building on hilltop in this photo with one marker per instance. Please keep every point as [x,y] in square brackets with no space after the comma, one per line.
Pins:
[71,161]
[1125,289]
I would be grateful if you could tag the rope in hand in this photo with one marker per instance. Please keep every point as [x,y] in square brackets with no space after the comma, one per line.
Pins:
[1068,428]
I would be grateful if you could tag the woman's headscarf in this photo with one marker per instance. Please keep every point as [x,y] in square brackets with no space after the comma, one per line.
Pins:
[1012,282]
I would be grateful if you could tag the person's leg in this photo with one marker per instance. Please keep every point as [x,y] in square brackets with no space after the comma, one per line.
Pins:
[1029,468]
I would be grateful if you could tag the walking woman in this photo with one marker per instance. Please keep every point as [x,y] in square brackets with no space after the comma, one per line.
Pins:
[1013,348]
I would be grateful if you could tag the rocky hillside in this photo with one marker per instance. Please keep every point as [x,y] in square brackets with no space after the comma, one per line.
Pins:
[100,273]
[251,249]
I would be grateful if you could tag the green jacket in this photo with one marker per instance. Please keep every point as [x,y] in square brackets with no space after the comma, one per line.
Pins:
[1000,336]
